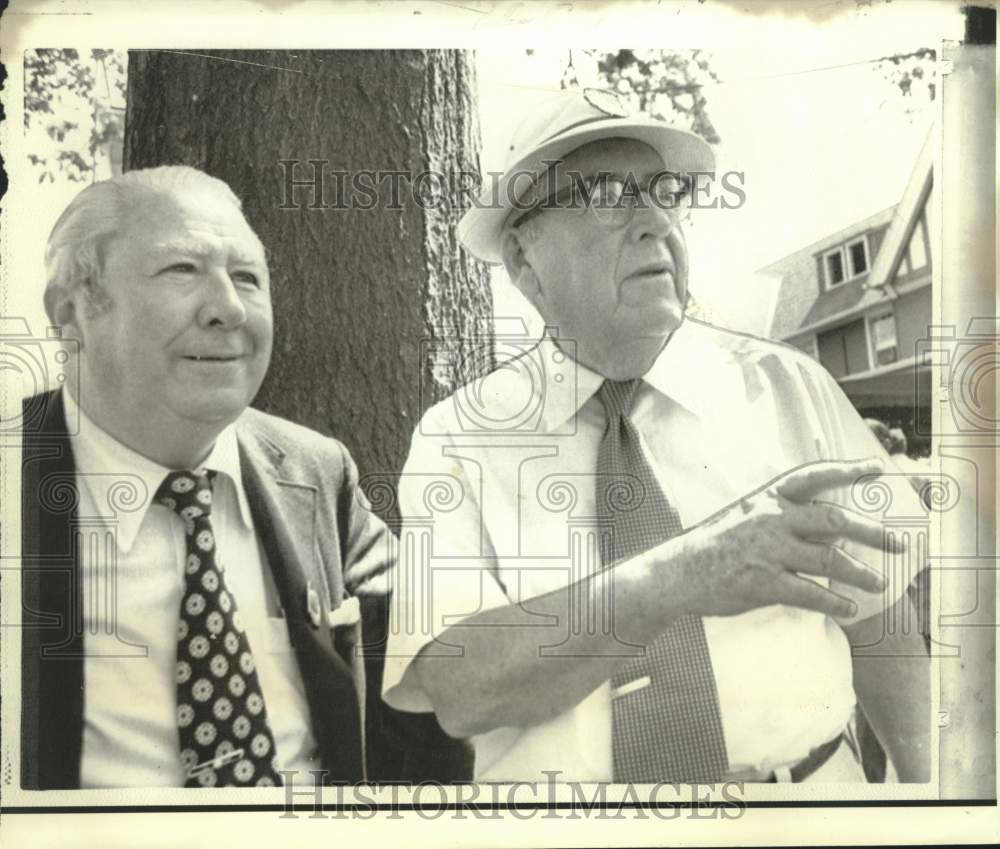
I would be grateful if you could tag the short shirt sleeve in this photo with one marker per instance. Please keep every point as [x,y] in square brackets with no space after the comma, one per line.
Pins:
[447,571]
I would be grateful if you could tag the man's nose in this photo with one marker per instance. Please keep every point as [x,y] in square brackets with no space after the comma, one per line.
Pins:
[223,306]
[652,219]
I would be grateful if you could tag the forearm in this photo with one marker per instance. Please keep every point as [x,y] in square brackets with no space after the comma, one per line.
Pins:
[892,682]
[524,664]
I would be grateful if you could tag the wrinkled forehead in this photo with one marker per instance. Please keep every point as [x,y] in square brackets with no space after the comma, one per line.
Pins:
[194,219]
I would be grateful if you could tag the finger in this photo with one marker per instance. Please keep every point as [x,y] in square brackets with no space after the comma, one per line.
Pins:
[804,484]
[829,521]
[801,592]
[829,561]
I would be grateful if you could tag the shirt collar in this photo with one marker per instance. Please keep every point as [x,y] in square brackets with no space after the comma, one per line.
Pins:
[694,369]
[122,482]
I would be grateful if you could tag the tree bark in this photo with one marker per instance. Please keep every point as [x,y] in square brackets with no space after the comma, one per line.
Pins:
[378,313]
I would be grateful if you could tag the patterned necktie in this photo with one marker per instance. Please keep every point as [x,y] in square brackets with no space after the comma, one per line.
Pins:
[225,739]
[666,724]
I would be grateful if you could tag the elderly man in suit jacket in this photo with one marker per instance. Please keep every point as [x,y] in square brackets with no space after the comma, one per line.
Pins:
[192,567]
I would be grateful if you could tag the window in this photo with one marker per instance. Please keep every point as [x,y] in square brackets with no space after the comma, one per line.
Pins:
[835,268]
[845,262]
[883,330]
[858,253]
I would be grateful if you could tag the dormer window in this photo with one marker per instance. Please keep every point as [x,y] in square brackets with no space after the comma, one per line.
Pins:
[857,253]
[846,262]
[834,263]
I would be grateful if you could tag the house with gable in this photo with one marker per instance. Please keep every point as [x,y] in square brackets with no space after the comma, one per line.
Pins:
[859,301]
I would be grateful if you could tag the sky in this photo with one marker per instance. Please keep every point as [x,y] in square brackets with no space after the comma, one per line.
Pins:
[821,136]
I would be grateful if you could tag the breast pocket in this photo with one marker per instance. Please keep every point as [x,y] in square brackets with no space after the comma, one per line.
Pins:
[346,615]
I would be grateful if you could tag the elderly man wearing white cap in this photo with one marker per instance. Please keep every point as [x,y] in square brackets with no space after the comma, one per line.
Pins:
[630,574]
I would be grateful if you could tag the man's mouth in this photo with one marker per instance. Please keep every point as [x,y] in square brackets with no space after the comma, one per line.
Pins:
[653,270]
[212,359]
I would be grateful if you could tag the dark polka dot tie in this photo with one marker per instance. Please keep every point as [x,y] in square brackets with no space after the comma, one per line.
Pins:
[225,739]
[666,724]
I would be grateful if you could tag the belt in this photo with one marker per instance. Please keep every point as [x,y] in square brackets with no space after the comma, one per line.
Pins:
[813,761]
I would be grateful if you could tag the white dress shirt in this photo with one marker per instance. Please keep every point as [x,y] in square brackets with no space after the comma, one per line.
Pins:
[132,568]
[720,415]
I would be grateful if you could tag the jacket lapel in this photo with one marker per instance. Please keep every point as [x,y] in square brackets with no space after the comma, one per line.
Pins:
[283,506]
[51,635]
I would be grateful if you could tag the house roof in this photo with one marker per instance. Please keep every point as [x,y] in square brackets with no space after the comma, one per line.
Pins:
[907,210]
[800,303]
[839,300]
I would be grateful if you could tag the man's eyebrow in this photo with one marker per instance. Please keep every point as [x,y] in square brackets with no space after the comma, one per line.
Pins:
[201,249]
[250,257]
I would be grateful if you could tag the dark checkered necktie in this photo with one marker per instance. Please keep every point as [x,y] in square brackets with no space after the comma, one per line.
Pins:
[225,739]
[666,724]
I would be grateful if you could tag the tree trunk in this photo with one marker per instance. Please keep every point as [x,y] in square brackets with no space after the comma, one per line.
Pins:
[358,293]
[378,313]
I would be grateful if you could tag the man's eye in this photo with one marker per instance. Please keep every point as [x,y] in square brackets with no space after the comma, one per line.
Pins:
[181,268]
[673,190]
[247,277]
[606,192]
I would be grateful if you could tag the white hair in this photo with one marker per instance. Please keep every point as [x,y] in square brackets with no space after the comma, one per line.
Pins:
[73,254]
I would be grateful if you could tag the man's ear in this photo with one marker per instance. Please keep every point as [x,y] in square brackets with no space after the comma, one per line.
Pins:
[63,311]
[519,268]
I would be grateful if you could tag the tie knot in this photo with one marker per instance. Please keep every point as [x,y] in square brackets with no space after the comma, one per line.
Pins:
[617,395]
[184,492]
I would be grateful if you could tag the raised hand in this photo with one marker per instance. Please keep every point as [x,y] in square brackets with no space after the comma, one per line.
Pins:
[757,551]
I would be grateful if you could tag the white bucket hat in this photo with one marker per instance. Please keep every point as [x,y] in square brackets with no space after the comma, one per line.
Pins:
[559,126]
